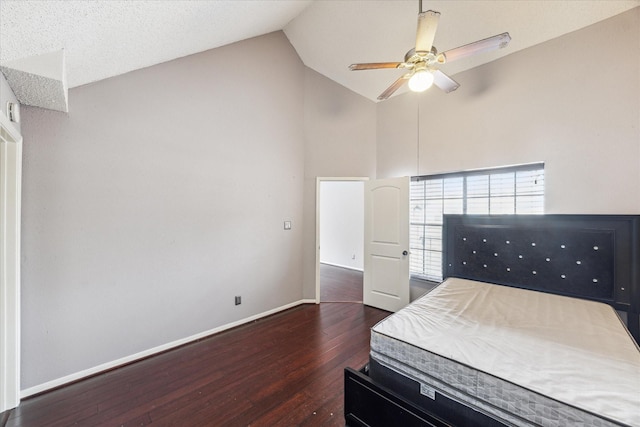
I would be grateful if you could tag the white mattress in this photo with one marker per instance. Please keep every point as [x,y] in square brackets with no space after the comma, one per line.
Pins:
[524,357]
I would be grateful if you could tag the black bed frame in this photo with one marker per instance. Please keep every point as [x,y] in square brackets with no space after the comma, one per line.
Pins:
[594,257]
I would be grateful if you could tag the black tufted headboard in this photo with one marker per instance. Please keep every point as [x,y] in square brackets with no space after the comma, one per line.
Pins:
[594,257]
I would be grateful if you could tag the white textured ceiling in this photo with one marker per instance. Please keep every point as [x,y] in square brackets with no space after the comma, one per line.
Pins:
[104,38]
[39,80]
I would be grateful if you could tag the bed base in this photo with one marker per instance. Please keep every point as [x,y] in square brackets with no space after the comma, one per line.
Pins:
[370,404]
[595,257]
[367,404]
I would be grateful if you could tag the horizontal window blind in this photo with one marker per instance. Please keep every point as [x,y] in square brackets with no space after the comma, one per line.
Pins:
[496,191]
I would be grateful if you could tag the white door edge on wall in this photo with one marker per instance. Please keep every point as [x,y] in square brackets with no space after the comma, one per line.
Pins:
[10,196]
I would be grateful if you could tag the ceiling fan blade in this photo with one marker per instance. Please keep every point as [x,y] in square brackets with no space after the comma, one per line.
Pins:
[374,65]
[394,87]
[427,26]
[486,45]
[444,82]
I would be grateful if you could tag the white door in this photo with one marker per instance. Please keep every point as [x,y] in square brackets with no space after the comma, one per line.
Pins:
[386,243]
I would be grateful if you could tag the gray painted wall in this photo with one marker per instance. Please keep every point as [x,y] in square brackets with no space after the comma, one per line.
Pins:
[556,102]
[156,200]
[341,213]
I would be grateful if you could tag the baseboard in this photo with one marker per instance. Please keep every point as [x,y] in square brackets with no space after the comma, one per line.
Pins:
[150,352]
[342,266]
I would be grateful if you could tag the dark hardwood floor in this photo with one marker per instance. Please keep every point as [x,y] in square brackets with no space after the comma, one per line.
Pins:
[340,284]
[284,370]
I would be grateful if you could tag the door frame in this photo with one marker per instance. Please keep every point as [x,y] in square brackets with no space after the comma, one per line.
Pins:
[319,181]
[10,208]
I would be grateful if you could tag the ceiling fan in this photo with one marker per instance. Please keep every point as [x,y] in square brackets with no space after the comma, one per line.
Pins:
[422,62]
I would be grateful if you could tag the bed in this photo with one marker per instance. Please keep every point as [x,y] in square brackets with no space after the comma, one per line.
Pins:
[537,323]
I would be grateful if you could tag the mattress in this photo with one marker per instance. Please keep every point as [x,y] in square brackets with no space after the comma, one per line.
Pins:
[522,357]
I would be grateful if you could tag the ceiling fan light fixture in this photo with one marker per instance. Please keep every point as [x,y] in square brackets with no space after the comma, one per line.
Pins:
[422,62]
[421,81]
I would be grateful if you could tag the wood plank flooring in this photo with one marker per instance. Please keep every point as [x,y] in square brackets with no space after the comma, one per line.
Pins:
[340,284]
[284,370]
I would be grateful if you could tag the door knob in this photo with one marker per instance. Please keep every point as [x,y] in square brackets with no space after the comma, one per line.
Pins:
[405,253]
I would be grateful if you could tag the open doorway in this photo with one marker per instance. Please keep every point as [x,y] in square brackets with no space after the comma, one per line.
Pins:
[339,238]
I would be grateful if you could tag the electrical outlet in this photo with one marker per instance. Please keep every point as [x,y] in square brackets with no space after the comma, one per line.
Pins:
[238,300]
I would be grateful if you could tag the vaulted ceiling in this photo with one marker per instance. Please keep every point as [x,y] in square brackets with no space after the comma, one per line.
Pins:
[105,38]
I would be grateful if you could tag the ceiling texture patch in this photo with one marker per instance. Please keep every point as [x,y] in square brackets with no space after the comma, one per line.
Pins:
[39,80]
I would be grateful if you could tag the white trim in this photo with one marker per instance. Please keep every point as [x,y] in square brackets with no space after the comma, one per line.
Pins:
[155,350]
[10,198]
[319,180]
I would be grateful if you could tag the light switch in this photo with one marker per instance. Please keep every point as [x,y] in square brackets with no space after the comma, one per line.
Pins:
[287,225]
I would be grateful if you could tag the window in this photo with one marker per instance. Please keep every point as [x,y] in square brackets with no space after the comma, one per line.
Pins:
[498,191]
